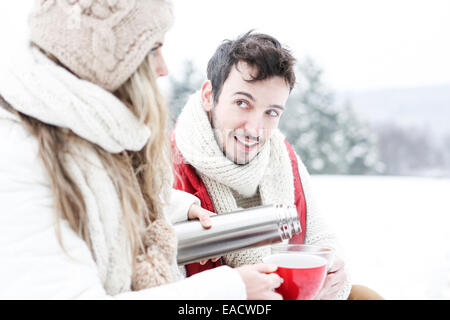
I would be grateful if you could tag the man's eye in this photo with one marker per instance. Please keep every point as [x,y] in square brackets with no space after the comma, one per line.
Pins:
[242,104]
[272,113]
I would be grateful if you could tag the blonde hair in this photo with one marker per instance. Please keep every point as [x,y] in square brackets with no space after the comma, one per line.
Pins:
[142,179]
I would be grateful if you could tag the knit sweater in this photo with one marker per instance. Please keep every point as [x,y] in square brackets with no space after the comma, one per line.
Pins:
[266,179]
[246,203]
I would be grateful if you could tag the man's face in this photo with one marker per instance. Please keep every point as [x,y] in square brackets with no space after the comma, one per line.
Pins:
[246,113]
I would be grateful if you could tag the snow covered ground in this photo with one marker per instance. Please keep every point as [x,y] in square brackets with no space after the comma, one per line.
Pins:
[394,230]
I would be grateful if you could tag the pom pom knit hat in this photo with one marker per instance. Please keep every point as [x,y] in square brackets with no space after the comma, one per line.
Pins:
[102,41]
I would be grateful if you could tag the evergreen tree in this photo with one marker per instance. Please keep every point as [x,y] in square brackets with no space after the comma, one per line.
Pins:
[180,89]
[329,140]
[360,151]
[410,151]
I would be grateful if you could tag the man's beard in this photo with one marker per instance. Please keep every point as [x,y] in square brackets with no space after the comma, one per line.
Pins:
[221,144]
[217,136]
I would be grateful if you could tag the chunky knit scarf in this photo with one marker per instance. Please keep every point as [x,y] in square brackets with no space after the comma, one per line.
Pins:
[270,172]
[39,88]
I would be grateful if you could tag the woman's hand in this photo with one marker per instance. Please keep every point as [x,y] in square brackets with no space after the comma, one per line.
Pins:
[203,215]
[334,281]
[260,283]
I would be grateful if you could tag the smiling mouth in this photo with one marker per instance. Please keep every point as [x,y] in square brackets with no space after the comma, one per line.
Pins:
[246,142]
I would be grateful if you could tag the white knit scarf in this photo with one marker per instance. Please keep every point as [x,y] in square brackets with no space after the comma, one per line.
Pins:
[37,87]
[270,172]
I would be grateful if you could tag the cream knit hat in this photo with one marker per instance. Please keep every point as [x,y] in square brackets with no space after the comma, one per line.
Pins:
[102,41]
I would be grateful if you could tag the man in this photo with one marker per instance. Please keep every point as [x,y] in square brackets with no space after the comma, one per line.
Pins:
[230,154]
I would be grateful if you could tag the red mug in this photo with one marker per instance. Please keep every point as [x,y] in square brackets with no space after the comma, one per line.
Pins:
[303,274]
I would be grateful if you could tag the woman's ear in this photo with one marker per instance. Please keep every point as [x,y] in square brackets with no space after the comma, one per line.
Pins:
[207,96]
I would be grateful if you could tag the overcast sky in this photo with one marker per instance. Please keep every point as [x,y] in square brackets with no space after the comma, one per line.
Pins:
[359,44]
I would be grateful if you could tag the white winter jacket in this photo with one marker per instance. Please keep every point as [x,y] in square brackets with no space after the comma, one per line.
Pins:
[33,265]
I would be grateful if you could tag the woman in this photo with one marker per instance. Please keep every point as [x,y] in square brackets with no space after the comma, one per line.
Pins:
[85,183]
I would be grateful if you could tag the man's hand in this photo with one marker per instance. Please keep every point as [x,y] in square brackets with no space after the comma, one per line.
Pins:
[334,281]
[203,215]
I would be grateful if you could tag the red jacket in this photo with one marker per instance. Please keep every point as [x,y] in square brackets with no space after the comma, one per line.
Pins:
[187,180]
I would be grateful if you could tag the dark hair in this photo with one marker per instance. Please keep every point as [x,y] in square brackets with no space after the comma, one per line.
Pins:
[256,49]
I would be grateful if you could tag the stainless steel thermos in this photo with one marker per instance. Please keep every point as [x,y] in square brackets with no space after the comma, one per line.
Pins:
[236,230]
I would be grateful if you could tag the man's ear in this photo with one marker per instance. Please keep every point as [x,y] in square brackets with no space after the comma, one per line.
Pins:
[207,96]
